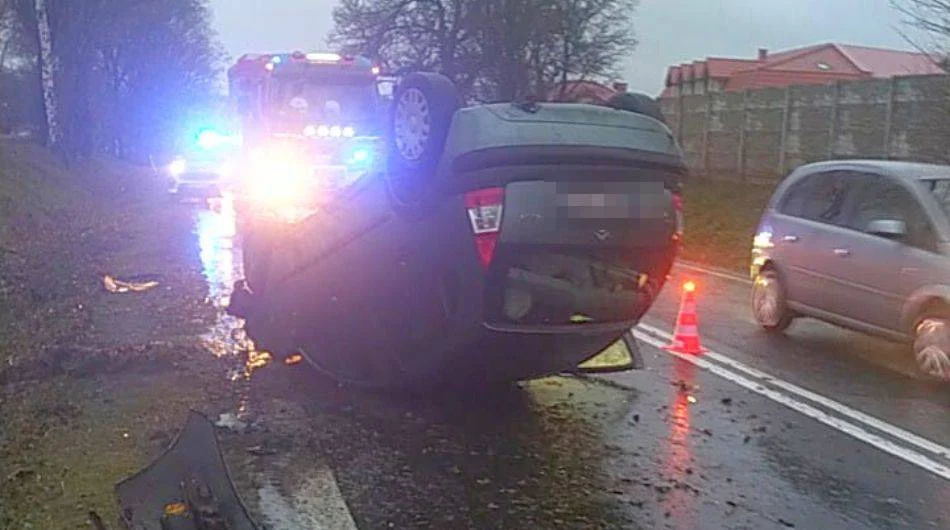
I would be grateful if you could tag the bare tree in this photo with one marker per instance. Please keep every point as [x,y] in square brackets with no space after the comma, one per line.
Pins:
[118,75]
[500,49]
[930,19]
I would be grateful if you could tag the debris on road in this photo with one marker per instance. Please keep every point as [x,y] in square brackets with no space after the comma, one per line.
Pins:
[119,286]
[230,422]
[260,450]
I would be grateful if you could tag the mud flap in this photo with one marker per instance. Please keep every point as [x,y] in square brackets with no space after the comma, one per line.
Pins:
[620,356]
[188,487]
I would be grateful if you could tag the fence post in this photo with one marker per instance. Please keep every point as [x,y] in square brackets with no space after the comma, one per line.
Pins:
[783,138]
[833,127]
[889,117]
[707,123]
[740,161]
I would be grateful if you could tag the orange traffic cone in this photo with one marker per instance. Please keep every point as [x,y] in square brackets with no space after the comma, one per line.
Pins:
[686,336]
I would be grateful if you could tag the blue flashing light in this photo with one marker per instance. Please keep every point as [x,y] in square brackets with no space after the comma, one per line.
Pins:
[210,139]
[361,156]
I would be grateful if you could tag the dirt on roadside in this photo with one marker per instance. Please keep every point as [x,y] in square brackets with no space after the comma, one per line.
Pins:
[93,384]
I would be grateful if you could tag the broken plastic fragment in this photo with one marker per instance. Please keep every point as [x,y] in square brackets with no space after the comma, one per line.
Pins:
[118,286]
[293,359]
[691,399]
[230,422]
[579,318]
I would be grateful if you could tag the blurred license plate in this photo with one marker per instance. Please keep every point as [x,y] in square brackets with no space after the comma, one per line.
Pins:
[617,201]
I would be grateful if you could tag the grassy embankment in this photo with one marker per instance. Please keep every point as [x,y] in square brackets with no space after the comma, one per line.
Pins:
[92,384]
[721,219]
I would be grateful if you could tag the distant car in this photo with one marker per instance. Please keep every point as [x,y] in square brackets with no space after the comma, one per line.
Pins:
[864,245]
[205,169]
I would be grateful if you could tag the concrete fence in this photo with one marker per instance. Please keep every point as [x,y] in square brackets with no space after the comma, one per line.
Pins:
[761,135]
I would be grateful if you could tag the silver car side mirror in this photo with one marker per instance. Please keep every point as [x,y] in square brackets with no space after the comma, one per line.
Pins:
[889,228]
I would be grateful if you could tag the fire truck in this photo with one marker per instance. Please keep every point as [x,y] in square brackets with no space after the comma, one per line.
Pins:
[310,122]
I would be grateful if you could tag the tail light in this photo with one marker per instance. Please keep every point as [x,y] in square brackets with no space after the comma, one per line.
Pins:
[680,217]
[485,209]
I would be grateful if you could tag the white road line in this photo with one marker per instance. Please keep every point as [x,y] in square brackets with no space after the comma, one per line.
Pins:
[717,274]
[875,423]
[908,455]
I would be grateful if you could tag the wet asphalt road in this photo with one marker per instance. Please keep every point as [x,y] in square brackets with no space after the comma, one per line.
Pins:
[840,435]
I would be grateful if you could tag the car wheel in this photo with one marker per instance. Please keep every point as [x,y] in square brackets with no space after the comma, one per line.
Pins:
[636,102]
[932,345]
[422,111]
[768,302]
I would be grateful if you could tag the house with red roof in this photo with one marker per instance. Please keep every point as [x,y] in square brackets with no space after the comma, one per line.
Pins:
[811,65]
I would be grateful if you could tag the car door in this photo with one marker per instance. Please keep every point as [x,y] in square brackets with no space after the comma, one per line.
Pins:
[878,273]
[805,215]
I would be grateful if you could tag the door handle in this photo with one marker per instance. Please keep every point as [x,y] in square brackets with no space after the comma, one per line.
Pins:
[790,239]
[842,252]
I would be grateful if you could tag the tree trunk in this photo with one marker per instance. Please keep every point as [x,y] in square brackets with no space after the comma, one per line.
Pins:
[47,68]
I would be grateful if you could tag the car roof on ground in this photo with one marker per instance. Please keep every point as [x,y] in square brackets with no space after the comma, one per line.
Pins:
[907,170]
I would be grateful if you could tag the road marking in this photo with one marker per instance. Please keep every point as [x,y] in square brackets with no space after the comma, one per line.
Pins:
[316,503]
[711,272]
[653,338]
[913,439]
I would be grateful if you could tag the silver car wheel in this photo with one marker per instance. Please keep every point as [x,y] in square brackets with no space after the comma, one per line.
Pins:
[412,124]
[932,348]
[766,301]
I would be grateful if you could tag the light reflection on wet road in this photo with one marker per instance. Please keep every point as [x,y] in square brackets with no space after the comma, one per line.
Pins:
[700,453]
[222,264]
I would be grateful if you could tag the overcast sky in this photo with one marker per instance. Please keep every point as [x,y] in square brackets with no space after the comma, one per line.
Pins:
[670,31]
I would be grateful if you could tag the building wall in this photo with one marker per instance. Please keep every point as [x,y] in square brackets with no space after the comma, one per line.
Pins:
[760,135]
[782,78]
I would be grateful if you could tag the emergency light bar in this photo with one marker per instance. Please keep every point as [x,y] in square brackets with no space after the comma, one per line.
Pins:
[324,57]
[324,130]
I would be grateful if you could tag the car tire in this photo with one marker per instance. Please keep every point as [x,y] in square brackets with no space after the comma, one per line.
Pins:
[422,110]
[636,102]
[769,305]
[931,344]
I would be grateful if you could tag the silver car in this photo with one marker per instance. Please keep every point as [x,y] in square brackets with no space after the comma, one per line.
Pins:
[862,244]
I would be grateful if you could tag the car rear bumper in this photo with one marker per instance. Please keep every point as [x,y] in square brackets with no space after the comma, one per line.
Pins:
[505,353]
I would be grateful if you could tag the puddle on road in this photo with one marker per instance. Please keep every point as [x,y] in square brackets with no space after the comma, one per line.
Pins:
[316,501]
[222,265]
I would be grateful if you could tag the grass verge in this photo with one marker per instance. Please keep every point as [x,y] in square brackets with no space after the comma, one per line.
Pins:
[92,384]
[721,218]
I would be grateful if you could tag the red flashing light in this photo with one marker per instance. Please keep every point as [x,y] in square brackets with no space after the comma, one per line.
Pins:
[485,208]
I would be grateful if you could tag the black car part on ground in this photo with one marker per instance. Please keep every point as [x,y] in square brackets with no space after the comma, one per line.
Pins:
[187,488]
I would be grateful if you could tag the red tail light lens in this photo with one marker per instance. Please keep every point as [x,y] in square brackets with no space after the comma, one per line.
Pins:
[485,208]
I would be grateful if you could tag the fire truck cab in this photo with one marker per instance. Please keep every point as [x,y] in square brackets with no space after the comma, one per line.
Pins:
[310,94]
[310,122]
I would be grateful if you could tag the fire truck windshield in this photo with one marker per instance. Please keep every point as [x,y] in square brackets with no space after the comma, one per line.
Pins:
[301,102]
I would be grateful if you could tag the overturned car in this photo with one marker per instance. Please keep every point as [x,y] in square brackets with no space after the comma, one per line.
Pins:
[495,242]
